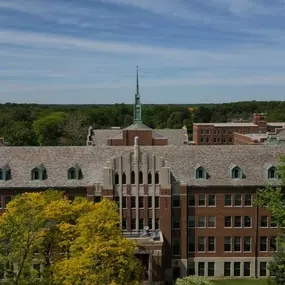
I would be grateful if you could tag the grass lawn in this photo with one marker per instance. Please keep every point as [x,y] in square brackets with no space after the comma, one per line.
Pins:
[241,282]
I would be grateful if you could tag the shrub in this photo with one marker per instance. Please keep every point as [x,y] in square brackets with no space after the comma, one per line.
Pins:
[193,280]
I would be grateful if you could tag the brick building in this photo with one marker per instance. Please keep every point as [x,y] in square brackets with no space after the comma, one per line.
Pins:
[197,201]
[223,133]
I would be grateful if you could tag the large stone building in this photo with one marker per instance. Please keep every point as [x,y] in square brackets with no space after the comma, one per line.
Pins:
[196,201]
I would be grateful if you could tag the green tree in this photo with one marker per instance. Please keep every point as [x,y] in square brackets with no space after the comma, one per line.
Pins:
[48,129]
[272,198]
[75,242]
[193,280]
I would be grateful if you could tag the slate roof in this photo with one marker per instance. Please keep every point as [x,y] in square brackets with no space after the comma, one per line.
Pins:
[226,124]
[181,159]
[174,136]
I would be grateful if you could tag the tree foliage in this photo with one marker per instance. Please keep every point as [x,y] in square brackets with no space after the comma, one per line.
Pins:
[193,280]
[272,198]
[31,124]
[75,242]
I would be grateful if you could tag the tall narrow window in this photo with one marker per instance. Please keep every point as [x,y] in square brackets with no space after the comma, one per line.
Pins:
[72,174]
[149,178]
[156,178]
[36,174]
[1,174]
[133,176]
[124,178]
[140,177]
[116,179]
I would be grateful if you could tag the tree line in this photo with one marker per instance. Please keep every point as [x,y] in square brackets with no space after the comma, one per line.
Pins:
[34,125]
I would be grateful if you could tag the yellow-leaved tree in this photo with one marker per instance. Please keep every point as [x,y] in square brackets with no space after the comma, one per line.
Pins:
[47,239]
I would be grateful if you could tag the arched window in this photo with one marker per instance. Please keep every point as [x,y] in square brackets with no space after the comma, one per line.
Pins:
[272,173]
[149,178]
[116,179]
[124,178]
[156,178]
[140,177]
[133,176]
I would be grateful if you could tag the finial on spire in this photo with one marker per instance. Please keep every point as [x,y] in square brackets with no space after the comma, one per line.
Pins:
[138,89]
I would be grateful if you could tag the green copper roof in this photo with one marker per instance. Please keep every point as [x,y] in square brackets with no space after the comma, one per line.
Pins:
[137,105]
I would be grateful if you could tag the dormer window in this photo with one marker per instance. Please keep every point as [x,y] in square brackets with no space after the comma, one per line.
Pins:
[5,173]
[272,173]
[236,172]
[39,173]
[74,173]
[200,173]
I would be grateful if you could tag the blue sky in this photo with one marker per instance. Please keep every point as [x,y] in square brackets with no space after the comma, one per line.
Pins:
[188,51]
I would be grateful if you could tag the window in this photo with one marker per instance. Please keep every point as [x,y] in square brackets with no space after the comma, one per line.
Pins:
[224,132]
[246,244]
[156,178]
[7,199]
[124,178]
[202,132]
[228,200]
[149,178]
[230,140]
[116,178]
[201,244]
[97,199]
[211,269]
[149,202]
[191,268]
[262,269]
[212,200]
[201,140]
[224,140]
[246,269]
[117,200]
[133,202]
[202,200]
[72,175]
[133,177]
[141,202]
[248,200]
[236,268]
[39,173]
[264,222]
[156,223]
[149,223]
[156,202]
[140,177]
[176,223]
[141,224]
[211,244]
[191,222]
[211,222]
[273,223]
[227,244]
[200,173]
[133,224]
[228,222]
[1,174]
[35,174]
[124,224]
[191,200]
[207,140]
[263,243]
[124,202]
[201,268]
[207,132]
[191,244]
[238,200]
[227,269]
[176,246]
[176,201]
[201,222]
[237,246]
[272,244]
[215,140]
[237,221]
[247,222]
[236,173]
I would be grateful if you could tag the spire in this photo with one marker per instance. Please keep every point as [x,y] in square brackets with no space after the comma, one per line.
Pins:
[137,105]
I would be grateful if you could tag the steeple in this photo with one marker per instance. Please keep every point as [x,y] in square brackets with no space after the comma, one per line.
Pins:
[137,105]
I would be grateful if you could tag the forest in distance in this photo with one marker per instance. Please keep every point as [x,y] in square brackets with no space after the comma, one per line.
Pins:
[35,125]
